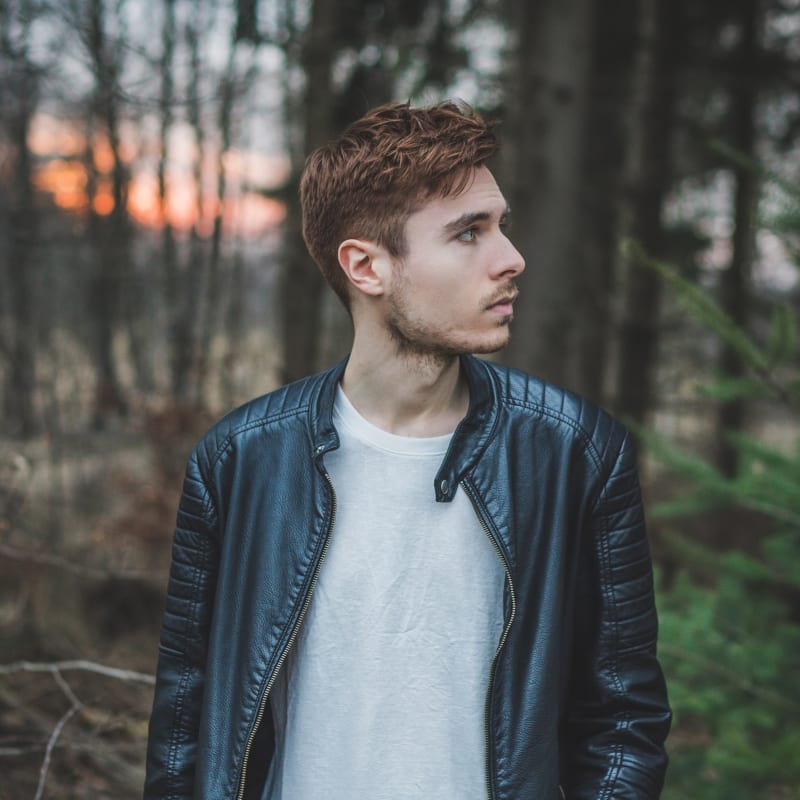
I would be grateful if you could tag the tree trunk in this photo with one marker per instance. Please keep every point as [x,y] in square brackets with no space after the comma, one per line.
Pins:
[247,21]
[186,354]
[212,304]
[546,103]
[173,297]
[648,175]
[735,280]
[604,149]
[22,226]
[109,234]
[234,328]
[301,284]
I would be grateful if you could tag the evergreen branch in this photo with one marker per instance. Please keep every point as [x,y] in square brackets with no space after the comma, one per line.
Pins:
[703,307]
[691,551]
[751,164]
[730,676]
[771,509]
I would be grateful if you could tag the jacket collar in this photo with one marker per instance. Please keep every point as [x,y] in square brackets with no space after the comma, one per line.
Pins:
[469,439]
[323,434]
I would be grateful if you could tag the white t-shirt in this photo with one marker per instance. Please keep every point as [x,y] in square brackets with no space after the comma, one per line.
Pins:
[382,695]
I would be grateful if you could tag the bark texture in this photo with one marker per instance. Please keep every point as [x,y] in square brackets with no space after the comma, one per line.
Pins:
[735,286]
[647,181]
[546,109]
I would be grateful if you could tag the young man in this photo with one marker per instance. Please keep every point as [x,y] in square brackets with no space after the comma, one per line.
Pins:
[416,575]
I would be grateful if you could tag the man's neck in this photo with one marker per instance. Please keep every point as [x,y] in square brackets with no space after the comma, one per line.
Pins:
[405,394]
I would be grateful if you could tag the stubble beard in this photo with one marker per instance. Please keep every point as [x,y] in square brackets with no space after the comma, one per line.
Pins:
[417,342]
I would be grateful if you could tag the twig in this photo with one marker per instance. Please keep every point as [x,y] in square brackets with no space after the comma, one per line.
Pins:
[51,743]
[13,752]
[75,706]
[107,757]
[87,666]
[67,689]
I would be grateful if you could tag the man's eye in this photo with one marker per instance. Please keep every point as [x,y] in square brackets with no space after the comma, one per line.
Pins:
[468,235]
[505,225]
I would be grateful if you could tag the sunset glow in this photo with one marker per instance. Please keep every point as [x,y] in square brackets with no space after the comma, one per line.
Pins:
[62,151]
[103,200]
[49,136]
[65,181]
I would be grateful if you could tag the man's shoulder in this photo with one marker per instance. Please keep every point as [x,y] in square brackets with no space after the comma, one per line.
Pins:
[556,406]
[260,413]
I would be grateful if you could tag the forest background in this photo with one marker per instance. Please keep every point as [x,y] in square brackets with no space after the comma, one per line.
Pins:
[152,276]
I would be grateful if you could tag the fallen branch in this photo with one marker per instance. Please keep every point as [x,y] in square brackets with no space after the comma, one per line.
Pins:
[107,757]
[75,706]
[13,752]
[51,743]
[57,667]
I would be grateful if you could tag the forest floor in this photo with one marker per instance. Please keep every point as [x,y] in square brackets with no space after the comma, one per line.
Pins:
[85,531]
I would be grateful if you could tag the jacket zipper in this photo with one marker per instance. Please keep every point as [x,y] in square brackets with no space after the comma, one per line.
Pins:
[487,702]
[262,707]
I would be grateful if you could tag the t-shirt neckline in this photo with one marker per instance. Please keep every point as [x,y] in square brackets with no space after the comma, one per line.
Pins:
[346,415]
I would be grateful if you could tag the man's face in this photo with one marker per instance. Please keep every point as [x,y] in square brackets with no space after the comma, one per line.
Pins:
[452,292]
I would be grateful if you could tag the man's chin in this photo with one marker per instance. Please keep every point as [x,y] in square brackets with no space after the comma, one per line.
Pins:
[486,348]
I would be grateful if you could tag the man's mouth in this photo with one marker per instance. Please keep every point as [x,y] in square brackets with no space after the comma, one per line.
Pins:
[504,305]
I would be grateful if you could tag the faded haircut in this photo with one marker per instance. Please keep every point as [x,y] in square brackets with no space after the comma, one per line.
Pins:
[367,183]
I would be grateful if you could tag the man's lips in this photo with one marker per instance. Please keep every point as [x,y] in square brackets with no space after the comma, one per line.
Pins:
[505,304]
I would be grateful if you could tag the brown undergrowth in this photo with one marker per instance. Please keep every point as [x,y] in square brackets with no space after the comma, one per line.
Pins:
[92,595]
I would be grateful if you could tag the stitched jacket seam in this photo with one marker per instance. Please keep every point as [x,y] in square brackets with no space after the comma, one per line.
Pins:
[247,426]
[610,780]
[583,434]
[185,672]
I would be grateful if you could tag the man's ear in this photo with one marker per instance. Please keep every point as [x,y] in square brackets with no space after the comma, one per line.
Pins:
[365,265]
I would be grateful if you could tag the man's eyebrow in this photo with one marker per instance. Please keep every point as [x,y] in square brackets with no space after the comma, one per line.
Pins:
[470,218]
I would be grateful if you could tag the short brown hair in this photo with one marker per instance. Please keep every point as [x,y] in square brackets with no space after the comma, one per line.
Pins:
[366,183]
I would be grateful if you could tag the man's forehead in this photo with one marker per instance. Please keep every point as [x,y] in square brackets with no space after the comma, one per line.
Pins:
[481,195]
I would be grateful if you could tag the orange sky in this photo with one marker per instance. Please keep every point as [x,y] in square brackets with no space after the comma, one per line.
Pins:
[62,174]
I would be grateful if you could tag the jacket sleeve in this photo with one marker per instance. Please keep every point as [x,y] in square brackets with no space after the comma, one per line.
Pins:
[619,716]
[173,730]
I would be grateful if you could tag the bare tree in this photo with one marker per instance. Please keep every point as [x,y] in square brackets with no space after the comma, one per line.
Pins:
[21,218]
[231,87]
[736,279]
[109,233]
[604,140]
[186,353]
[169,255]
[648,177]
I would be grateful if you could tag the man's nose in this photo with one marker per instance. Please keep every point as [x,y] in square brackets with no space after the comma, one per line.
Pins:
[509,262]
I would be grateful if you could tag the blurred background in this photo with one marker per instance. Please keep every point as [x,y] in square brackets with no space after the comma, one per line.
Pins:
[152,276]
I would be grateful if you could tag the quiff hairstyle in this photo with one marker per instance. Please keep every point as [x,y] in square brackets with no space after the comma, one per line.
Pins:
[366,184]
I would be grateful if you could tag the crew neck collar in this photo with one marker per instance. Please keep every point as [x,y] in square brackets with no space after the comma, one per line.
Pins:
[347,416]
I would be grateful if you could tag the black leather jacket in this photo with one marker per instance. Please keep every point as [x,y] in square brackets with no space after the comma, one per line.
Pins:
[575,697]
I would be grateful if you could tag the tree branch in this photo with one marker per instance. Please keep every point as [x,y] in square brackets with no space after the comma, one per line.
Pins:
[88,666]
[75,706]
[740,681]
